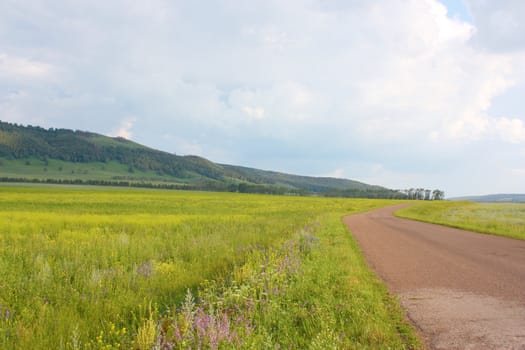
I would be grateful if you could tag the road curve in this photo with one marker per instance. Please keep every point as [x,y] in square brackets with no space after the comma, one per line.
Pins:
[462,290]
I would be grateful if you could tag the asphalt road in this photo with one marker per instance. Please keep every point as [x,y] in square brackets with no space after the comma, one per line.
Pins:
[462,290]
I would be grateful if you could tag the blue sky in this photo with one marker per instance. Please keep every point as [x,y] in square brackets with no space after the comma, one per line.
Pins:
[398,93]
[457,9]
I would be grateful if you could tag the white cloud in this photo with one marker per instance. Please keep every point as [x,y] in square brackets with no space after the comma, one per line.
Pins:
[518,171]
[125,129]
[512,130]
[22,68]
[337,173]
[306,86]
[253,112]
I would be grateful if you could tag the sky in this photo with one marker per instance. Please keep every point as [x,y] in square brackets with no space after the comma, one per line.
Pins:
[398,93]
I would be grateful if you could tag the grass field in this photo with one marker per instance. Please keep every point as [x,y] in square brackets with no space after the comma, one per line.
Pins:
[93,268]
[503,219]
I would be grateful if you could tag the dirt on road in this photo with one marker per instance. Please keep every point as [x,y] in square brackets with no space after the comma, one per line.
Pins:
[462,290]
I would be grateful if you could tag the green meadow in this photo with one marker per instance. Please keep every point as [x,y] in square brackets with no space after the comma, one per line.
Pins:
[105,268]
[37,169]
[503,219]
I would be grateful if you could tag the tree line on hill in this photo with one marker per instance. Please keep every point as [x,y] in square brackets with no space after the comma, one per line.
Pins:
[413,193]
[423,194]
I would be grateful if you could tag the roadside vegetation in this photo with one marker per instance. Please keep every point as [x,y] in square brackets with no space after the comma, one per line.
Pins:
[93,268]
[503,219]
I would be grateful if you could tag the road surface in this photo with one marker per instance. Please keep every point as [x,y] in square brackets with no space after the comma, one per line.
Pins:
[462,290]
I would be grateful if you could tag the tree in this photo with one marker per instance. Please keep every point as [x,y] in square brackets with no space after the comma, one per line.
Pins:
[421,194]
[438,195]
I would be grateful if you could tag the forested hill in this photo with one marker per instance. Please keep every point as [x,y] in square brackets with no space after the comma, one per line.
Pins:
[31,153]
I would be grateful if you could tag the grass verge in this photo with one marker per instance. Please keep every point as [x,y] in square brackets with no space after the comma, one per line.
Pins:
[314,292]
[502,219]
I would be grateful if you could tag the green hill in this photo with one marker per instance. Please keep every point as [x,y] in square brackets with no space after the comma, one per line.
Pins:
[34,154]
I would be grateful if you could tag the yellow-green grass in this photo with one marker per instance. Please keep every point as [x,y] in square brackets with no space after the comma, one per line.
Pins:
[502,219]
[101,268]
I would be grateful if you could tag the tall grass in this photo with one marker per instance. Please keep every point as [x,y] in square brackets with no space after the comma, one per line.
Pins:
[502,219]
[121,269]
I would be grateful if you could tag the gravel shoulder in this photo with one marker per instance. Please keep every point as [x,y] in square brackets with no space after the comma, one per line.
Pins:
[462,290]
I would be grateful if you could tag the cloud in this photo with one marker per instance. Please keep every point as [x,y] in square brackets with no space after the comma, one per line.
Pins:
[499,24]
[125,129]
[293,86]
[12,67]
[253,112]
[518,171]
[509,129]
[337,173]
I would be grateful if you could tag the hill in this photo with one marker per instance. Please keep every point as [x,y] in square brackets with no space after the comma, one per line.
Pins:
[34,154]
[504,198]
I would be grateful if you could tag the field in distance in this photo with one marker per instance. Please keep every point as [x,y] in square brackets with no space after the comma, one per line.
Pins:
[503,219]
[93,268]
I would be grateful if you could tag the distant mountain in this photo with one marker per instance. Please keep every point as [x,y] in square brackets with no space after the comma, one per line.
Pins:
[34,154]
[507,198]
